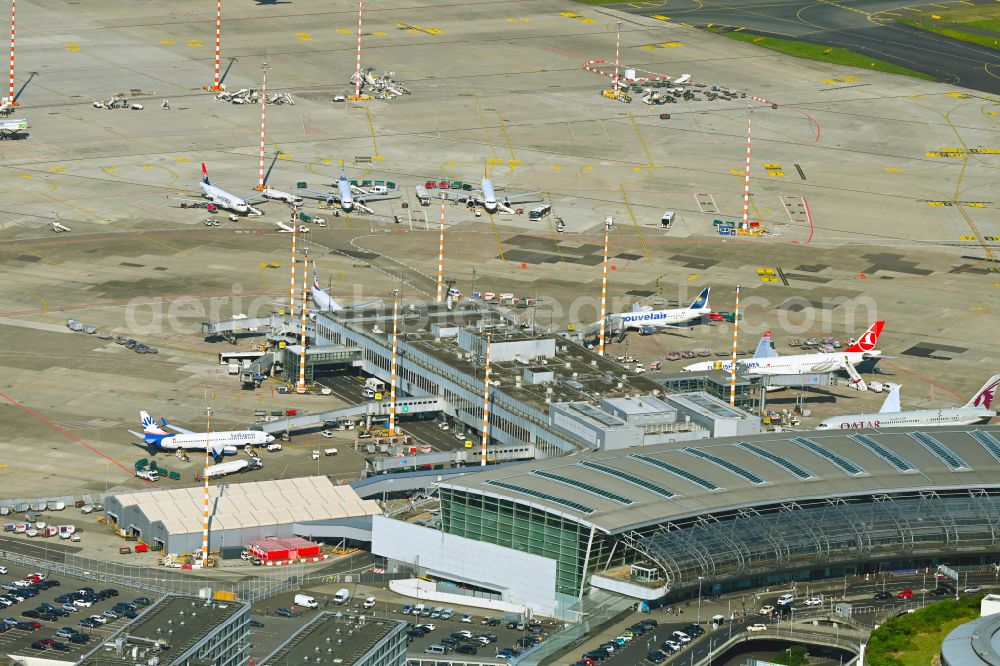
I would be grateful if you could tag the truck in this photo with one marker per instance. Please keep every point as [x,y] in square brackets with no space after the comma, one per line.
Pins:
[422,196]
[234,367]
[373,385]
[148,474]
[306,601]
[341,596]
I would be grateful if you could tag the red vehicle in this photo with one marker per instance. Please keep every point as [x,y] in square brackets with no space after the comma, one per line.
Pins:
[444,184]
[36,625]
[212,208]
[430,185]
[906,594]
[713,316]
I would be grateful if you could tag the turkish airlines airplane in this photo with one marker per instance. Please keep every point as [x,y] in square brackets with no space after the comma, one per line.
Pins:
[977,410]
[803,364]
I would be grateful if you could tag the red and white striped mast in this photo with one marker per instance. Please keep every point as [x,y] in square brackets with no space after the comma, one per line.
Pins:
[393,369]
[357,71]
[216,84]
[10,92]
[263,121]
[301,386]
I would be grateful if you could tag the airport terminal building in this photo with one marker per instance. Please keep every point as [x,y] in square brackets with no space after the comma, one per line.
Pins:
[737,512]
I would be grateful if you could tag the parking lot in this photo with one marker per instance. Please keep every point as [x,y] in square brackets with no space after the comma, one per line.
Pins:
[16,641]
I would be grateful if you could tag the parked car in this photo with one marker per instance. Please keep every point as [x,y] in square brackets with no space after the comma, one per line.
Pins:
[467,618]
[757,627]
[786,599]
[972,589]
[813,601]
[283,612]
[766,610]
[407,609]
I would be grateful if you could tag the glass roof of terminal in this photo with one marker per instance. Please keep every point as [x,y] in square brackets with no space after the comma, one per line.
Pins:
[891,457]
[989,442]
[780,461]
[676,471]
[584,486]
[569,504]
[726,465]
[596,414]
[629,478]
[941,452]
[840,461]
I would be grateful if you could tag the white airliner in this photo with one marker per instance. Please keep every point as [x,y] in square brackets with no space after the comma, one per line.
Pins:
[489,202]
[219,443]
[646,321]
[321,299]
[802,364]
[350,197]
[977,410]
[223,199]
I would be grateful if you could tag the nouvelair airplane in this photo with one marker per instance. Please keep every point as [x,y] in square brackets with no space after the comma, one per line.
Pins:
[219,443]
[647,321]
[801,364]
[977,410]
[351,197]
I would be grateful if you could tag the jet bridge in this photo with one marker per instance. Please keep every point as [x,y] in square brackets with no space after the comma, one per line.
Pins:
[369,410]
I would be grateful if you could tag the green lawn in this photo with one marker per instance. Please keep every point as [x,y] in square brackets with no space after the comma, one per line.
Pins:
[950,23]
[833,55]
[915,639]
[927,646]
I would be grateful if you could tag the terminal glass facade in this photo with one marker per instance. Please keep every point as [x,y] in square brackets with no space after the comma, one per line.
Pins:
[514,525]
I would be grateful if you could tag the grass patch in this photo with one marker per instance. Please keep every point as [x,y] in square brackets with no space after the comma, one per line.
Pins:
[969,24]
[835,55]
[915,639]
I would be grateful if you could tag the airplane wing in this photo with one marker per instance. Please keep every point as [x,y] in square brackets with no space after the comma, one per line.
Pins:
[892,403]
[317,194]
[179,429]
[521,198]
[377,197]
[138,435]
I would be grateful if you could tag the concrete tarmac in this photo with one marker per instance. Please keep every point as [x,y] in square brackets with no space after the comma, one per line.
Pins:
[878,192]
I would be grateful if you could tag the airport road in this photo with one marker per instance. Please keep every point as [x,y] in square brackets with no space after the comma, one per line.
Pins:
[864,26]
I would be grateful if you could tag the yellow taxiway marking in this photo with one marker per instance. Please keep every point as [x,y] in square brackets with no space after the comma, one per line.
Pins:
[303,36]
[167,42]
[72,46]
[194,43]
[57,169]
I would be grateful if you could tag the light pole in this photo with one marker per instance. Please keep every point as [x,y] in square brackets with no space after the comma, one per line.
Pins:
[700,580]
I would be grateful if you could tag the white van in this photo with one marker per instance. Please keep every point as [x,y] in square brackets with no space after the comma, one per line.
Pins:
[667,220]
[274,447]
[305,601]
[437,649]
[341,596]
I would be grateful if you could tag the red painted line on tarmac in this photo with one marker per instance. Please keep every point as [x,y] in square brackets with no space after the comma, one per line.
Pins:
[810,218]
[70,435]
[924,379]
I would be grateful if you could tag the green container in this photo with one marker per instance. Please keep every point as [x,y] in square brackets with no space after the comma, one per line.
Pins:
[354,183]
[302,185]
[380,182]
[366,183]
[391,185]
[176,476]
[153,466]
[456,184]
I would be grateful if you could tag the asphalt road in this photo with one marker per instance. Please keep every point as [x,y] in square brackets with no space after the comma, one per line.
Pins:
[863,26]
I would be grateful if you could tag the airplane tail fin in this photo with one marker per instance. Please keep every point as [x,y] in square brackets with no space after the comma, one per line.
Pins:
[984,397]
[204,174]
[867,342]
[892,403]
[149,426]
[702,300]
[636,307]
[764,348]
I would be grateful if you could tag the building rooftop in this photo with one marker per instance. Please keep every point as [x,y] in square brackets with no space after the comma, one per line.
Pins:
[680,480]
[236,505]
[329,639]
[179,622]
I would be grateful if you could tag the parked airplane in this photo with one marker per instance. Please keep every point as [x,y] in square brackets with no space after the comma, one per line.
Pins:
[487,199]
[646,321]
[801,364]
[321,299]
[350,197]
[278,195]
[223,199]
[977,410]
[219,443]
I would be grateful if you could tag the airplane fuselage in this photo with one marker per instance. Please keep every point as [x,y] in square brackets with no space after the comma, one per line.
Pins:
[654,318]
[224,199]
[918,417]
[799,364]
[229,440]
[346,197]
